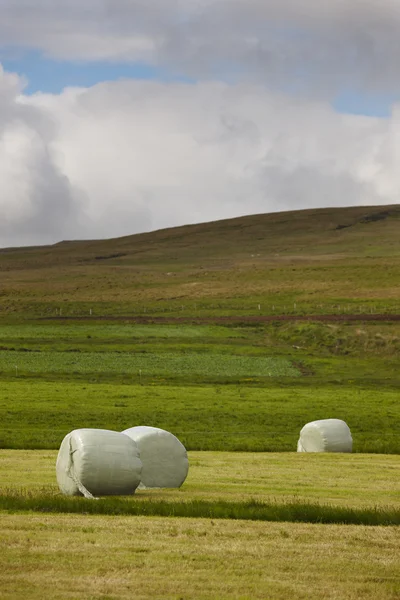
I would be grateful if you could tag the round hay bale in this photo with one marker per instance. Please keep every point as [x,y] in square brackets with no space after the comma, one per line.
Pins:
[98,462]
[300,447]
[164,457]
[326,435]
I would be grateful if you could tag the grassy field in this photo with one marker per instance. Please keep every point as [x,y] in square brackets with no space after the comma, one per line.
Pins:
[84,332]
[350,480]
[109,558]
[81,346]
[210,366]
[342,489]
[38,414]
[215,387]
[243,386]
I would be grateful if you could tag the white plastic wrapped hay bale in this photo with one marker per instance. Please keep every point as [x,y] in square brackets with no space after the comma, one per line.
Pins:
[164,457]
[300,447]
[327,435]
[98,462]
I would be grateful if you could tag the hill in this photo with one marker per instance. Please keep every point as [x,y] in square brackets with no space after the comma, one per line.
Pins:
[309,261]
[136,330]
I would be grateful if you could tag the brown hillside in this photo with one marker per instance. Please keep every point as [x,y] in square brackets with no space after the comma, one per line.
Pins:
[312,256]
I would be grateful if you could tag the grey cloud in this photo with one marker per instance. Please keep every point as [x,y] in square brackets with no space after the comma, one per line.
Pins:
[311,188]
[308,45]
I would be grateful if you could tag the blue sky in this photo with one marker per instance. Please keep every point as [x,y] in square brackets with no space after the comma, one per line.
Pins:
[378,105]
[52,76]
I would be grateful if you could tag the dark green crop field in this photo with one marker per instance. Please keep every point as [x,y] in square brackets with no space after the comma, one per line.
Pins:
[232,388]
[166,364]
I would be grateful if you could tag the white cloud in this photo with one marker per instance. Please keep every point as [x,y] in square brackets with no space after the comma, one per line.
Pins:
[123,157]
[320,46]
[36,201]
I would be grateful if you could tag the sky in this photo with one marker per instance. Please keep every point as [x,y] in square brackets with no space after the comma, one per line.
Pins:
[123,116]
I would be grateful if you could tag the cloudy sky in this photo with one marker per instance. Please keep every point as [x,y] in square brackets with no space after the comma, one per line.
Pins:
[122,116]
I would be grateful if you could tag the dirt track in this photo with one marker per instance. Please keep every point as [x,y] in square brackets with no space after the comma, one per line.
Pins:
[343,318]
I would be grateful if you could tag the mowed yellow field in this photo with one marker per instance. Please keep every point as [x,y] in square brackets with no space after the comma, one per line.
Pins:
[61,557]
[356,480]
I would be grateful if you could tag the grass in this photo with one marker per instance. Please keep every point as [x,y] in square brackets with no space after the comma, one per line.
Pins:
[216,387]
[37,414]
[82,374]
[38,332]
[293,512]
[167,364]
[103,557]
[341,480]
[326,339]
[297,262]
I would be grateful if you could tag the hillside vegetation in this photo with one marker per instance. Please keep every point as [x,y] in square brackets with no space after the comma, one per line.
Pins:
[338,260]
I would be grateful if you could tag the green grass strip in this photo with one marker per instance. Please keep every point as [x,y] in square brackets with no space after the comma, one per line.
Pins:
[176,363]
[294,512]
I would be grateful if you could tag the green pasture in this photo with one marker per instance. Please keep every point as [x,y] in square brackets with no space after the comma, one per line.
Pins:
[215,387]
[265,298]
[37,414]
[169,364]
[59,330]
